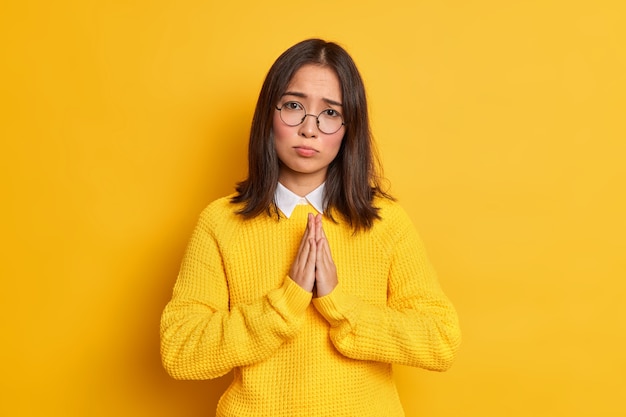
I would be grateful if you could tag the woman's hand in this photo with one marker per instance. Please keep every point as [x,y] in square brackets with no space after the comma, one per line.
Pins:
[302,270]
[325,270]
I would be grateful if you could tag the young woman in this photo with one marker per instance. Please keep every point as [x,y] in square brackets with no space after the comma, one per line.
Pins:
[309,282]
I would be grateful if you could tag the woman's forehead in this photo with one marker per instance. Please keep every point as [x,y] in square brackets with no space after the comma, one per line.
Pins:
[315,82]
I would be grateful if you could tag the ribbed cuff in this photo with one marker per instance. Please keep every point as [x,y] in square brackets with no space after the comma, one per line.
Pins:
[290,300]
[336,306]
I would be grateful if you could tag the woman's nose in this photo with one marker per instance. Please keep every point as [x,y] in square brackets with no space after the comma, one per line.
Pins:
[308,128]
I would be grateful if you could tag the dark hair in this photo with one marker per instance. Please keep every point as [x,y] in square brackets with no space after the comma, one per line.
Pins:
[352,180]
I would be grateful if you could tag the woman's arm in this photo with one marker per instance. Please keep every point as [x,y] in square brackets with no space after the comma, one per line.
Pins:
[202,337]
[418,326]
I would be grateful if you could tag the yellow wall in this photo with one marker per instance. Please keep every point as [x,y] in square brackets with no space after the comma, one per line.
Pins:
[501,125]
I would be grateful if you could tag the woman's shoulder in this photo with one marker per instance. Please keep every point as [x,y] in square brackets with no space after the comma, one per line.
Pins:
[394,222]
[395,229]
[220,213]
[390,210]
[221,205]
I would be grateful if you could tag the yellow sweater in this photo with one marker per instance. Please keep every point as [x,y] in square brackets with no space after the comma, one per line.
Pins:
[235,308]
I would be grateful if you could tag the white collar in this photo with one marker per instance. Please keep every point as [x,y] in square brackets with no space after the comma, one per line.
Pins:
[286,200]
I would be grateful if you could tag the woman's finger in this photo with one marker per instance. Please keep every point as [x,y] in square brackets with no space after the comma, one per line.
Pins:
[302,270]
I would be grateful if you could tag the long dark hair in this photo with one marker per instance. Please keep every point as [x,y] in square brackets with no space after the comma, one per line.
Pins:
[352,180]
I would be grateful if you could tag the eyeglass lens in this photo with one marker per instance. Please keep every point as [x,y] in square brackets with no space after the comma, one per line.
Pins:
[293,113]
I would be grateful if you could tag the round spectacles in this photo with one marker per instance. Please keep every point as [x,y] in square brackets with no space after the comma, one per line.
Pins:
[292,113]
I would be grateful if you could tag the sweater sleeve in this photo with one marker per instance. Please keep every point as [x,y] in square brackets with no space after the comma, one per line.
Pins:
[203,336]
[418,326]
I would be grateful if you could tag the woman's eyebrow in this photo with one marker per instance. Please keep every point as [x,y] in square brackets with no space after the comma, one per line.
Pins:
[302,95]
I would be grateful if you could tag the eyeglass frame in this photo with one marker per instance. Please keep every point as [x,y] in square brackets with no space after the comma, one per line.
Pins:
[317,118]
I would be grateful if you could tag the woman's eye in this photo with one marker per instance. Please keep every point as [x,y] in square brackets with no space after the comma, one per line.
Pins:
[292,105]
[332,113]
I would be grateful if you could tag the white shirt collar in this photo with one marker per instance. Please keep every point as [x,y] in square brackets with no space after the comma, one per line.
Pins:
[286,200]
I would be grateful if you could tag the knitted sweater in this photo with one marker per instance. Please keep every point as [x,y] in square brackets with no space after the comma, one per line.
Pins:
[234,307]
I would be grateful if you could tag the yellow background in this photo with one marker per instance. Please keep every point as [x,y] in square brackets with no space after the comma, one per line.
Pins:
[502,131]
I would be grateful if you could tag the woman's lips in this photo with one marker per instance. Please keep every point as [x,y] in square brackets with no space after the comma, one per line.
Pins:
[305,151]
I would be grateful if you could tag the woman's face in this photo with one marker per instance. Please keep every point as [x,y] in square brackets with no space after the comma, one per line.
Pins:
[303,150]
